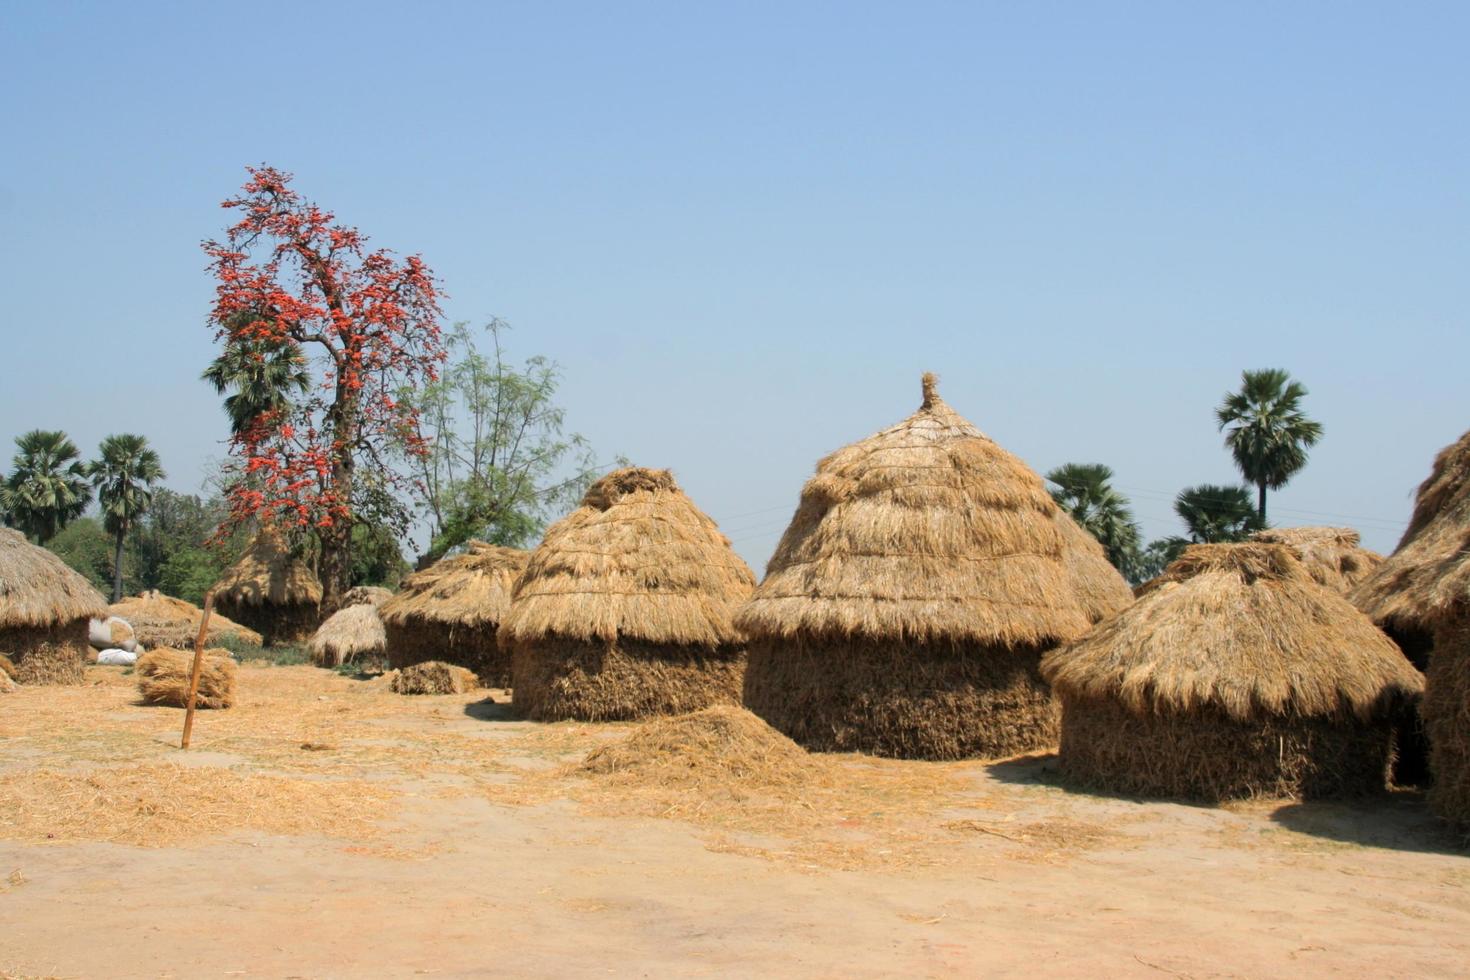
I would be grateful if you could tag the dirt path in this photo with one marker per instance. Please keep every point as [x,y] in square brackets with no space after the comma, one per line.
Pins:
[1011,876]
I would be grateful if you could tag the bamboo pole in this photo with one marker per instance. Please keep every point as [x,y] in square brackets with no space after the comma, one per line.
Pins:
[198,669]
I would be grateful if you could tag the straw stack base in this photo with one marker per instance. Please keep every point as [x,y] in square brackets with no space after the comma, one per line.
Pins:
[1447,718]
[417,640]
[1209,757]
[909,702]
[47,654]
[291,624]
[565,680]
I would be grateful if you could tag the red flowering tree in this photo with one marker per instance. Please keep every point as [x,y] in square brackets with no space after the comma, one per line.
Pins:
[292,283]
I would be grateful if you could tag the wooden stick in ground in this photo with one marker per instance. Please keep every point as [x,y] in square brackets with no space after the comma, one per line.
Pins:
[198,669]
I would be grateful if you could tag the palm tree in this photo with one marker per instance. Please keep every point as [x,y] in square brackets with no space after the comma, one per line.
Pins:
[1085,491]
[124,475]
[261,375]
[47,485]
[1215,513]
[1269,433]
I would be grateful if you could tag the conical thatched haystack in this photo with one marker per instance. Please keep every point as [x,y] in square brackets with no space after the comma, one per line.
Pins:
[1236,676]
[1100,588]
[1333,556]
[270,591]
[906,608]
[451,611]
[624,610]
[44,611]
[353,634]
[159,620]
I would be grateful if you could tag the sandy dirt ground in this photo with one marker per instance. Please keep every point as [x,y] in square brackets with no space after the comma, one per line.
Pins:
[327,828]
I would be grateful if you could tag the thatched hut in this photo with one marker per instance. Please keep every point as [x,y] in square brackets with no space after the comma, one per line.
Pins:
[351,635]
[907,606]
[1333,556]
[1100,588]
[1236,676]
[451,611]
[624,610]
[271,591]
[160,620]
[45,608]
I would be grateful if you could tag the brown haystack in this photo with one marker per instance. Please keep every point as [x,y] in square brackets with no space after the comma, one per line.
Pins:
[434,677]
[45,609]
[624,610]
[365,595]
[1333,556]
[353,634]
[270,591]
[451,611]
[906,608]
[160,620]
[1236,676]
[1446,712]
[163,678]
[1100,588]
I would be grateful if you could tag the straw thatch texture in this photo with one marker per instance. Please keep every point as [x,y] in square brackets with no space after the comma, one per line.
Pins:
[365,595]
[7,684]
[906,606]
[451,611]
[45,608]
[159,620]
[163,678]
[6,667]
[351,635]
[270,591]
[434,677]
[624,610]
[1446,713]
[1236,675]
[1333,556]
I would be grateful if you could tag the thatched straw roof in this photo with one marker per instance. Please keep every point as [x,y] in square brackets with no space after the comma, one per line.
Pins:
[1333,556]
[1241,628]
[469,589]
[928,530]
[267,574]
[160,620]
[1100,588]
[37,589]
[351,633]
[637,560]
[1430,569]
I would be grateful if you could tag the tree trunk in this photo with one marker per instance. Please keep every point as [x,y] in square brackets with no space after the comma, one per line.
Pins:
[336,539]
[1261,507]
[335,564]
[117,566]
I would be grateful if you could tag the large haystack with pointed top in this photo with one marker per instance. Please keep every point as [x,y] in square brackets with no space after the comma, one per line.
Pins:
[625,609]
[1333,556]
[160,620]
[1236,676]
[45,608]
[451,611]
[906,608]
[271,591]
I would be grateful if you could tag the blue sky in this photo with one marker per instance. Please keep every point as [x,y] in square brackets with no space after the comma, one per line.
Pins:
[744,230]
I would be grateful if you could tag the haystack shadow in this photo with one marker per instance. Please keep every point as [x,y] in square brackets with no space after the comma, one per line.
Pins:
[489,709]
[1397,821]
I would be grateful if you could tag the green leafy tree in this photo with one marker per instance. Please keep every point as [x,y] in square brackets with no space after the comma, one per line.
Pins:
[1085,491]
[86,548]
[124,475]
[1217,513]
[1153,558]
[499,464]
[1266,430]
[47,486]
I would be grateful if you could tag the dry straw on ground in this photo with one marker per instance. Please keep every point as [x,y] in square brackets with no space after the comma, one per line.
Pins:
[1237,675]
[45,608]
[160,620]
[451,611]
[434,677]
[906,607]
[1333,556]
[164,675]
[271,591]
[624,610]
[351,635]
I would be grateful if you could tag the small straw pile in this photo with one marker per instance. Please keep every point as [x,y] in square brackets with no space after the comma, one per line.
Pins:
[434,677]
[163,678]
[353,634]
[160,620]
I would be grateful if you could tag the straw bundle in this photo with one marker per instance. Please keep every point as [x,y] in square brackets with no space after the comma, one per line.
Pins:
[45,608]
[7,684]
[159,620]
[624,610]
[163,678]
[451,611]
[271,591]
[1333,556]
[1446,713]
[6,667]
[1237,675]
[352,635]
[434,677]
[906,607]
